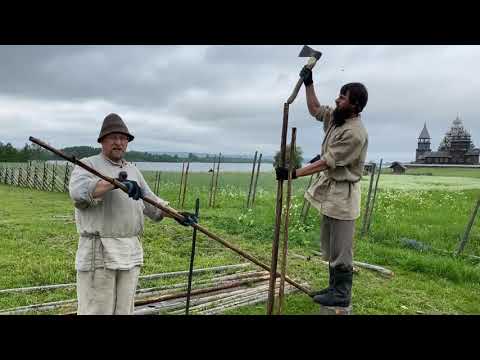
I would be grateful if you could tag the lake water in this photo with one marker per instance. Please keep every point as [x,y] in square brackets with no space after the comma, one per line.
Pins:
[195,167]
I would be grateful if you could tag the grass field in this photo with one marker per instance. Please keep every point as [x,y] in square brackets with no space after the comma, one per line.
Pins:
[39,241]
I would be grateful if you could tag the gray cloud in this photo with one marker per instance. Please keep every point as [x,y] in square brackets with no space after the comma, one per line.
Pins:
[230,98]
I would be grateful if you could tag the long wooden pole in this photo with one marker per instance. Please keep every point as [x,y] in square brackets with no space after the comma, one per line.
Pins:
[216,179]
[172,212]
[278,215]
[251,179]
[374,196]
[283,268]
[256,179]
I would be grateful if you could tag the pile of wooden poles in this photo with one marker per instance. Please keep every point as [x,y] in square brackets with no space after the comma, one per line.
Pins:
[237,286]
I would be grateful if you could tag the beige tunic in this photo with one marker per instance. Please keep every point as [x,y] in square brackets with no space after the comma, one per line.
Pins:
[336,193]
[109,227]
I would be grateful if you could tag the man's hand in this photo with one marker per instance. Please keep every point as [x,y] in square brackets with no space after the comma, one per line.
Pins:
[306,75]
[189,219]
[134,190]
[282,173]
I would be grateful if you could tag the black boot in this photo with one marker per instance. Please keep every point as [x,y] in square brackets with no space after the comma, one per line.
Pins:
[330,283]
[341,292]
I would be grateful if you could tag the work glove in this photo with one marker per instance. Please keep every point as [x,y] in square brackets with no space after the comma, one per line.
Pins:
[282,173]
[134,190]
[306,75]
[189,219]
[316,158]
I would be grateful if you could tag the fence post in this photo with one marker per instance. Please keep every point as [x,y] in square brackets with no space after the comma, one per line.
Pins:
[65,180]
[374,197]
[20,176]
[367,205]
[29,175]
[53,176]
[44,183]
[35,178]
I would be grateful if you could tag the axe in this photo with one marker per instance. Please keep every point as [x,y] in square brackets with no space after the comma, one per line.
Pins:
[313,56]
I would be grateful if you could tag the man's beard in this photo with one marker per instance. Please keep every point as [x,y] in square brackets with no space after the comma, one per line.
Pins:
[340,115]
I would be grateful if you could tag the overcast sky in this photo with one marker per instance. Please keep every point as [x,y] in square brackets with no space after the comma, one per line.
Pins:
[230,99]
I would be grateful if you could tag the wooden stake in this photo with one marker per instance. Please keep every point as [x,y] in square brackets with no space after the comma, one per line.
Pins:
[216,179]
[251,179]
[181,184]
[374,196]
[256,179]
[278,215]
[192,258]
[185,184]
[210,195]
[283,269]
[367,204]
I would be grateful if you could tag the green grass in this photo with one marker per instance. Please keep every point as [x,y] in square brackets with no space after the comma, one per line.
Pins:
[39,241]
[436,171]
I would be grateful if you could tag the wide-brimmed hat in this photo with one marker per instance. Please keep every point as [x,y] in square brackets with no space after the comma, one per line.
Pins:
[114,124]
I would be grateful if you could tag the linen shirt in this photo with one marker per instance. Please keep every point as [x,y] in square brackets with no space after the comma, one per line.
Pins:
[336,192]
[110,226]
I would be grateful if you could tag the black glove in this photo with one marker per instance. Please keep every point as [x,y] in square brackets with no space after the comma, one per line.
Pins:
[316,158]
[134,190]
[282,173]
[306,75]
[189,219]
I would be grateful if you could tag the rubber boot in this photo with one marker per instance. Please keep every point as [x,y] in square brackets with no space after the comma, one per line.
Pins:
[341,292]
[330,283]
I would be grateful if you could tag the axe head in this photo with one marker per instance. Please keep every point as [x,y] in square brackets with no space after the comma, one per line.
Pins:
[307,51]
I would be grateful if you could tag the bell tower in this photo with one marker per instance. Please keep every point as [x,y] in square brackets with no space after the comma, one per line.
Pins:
[423,144]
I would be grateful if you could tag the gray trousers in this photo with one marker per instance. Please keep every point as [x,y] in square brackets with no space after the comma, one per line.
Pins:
[336,238]
[107,292]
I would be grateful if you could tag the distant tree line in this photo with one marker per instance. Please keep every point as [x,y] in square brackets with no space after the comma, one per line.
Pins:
[9,153]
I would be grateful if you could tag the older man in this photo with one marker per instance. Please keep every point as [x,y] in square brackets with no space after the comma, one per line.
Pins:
[110,221]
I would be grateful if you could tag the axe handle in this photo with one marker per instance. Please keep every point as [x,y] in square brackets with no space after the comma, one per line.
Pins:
[311,63]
